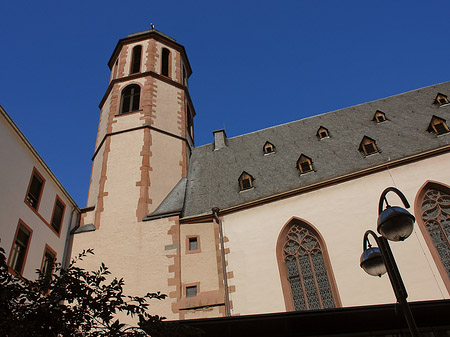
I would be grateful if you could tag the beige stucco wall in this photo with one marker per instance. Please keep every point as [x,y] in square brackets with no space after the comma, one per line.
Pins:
[17,163]
[341,213]
[141,253]
[167,107]
[202,266]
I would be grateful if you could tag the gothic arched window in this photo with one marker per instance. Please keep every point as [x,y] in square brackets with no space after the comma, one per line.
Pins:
[305,269]
[131,96]
[433,205]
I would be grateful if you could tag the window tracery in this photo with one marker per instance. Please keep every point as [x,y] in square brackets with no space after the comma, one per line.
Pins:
[436,218]
[306,270]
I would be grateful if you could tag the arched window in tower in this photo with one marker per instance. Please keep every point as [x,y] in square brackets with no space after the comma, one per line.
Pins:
[433,215]
[306,274]
[438,126]
[130,98]
[165,62]
[136,60]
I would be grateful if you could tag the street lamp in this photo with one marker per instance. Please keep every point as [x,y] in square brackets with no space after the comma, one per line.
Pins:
[395,224]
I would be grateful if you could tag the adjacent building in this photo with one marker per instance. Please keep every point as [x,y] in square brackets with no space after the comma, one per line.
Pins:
[36,212]
[266,222]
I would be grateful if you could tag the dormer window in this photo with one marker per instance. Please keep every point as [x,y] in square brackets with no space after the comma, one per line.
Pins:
[368,146]
[379,117]
[304,164]
[268,148]
[438,126]
[322,133]
[245,181]
[441,99]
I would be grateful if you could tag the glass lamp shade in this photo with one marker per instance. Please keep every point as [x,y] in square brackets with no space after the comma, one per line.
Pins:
[395,223]
[372,262]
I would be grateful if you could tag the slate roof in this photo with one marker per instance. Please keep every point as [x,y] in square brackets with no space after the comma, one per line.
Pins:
[213,175]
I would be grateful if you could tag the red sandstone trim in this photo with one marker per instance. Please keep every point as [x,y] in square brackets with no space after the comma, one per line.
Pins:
[101,190]
[175,268]
[198,250]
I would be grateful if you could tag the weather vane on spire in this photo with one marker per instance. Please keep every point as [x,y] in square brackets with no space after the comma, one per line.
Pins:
[152,25]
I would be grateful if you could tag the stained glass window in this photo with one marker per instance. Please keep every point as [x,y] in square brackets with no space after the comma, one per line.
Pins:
[306,270]
[436,217]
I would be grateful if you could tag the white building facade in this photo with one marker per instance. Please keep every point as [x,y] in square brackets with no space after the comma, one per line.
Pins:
[36,212]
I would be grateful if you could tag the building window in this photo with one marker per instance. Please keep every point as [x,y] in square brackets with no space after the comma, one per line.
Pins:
[35,188]
[193,244]
[58,215]
[191,291]
[307,278]
[379,117]
[165,62]
[441,99]
[136,60]
[435,215]
[48,263]
[322,133]
[268,148]
[304,164]
[131,96]
[245,181]
[19,248]
[368,146]
[438,126]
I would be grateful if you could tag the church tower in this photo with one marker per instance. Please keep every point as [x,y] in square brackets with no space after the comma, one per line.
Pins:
[143,144]
[145,130]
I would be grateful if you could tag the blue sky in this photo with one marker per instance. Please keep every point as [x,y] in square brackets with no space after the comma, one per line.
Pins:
[255,63]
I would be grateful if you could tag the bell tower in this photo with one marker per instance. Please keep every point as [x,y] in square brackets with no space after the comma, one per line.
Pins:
[145,131]
[144,140]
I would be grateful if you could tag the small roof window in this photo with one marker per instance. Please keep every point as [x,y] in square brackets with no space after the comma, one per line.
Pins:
[379,117]
[438,126]
[368,146]
[304,164]
[268,148]
[441,99]
[245,181]
[322,133]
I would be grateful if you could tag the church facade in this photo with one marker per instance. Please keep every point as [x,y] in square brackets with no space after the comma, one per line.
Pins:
[270,221]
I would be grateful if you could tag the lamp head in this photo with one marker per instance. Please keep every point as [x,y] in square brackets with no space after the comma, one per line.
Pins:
[372,262]
[395,223]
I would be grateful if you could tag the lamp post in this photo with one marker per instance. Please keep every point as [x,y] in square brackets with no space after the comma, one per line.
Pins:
[395,224]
